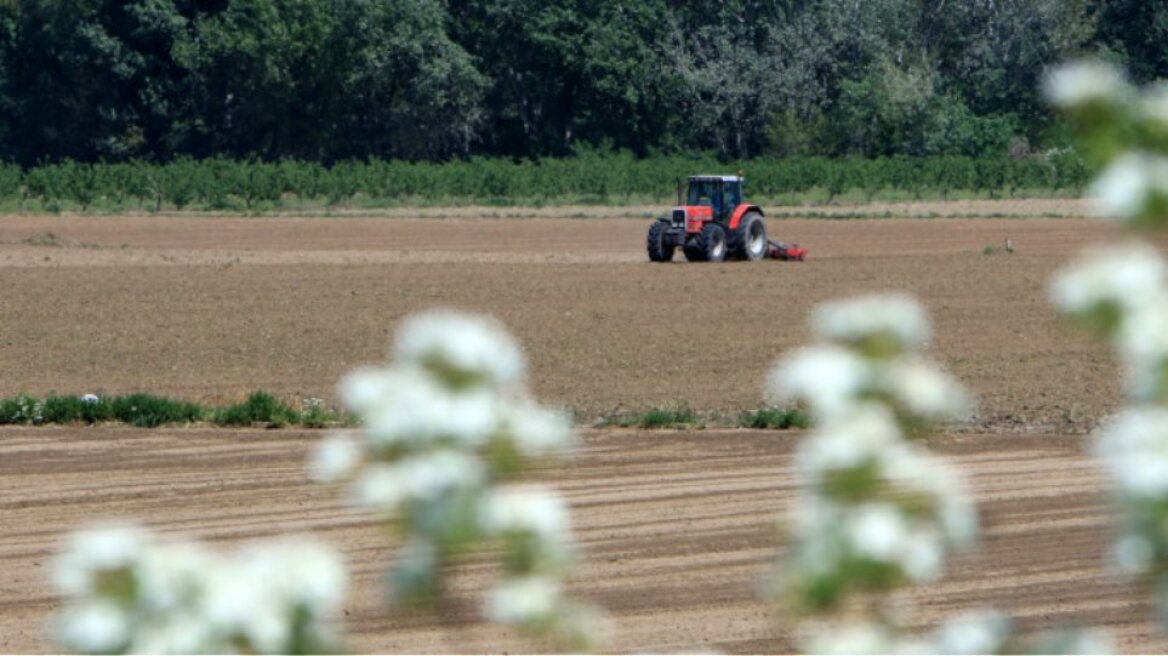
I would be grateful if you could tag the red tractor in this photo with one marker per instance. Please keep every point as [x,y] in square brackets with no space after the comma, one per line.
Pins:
[715,224]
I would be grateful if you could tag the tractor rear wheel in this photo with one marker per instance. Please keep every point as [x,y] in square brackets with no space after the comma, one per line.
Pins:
[749,241]
[659,242]
[709,245]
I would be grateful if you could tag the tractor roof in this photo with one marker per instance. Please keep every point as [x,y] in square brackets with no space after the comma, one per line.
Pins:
[710,178]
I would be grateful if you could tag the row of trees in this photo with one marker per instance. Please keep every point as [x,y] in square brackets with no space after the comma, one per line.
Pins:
[329,80]
[590,176]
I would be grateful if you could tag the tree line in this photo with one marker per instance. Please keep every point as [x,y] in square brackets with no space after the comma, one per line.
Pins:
[434,80]
[589,176]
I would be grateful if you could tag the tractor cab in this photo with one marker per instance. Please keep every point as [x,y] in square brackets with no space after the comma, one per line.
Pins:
[721,193]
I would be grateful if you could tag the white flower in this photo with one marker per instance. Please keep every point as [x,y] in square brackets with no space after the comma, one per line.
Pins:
[1134,449]
[848,442]
[317,580]
[537,431]
[1124,188]
[893,315]
[530,508]
[240,601]
[923,390]
[171,576]
[334,458]
[982,632]
[524,599]
[1133,554]
[923,556]
[877,531]
[1083,82]
[466,343]
[386,487]
[365,388]
[852,638]
[94,550]
[177,634]
[379,486]
[416,408]
[1127,276]
[828,378]
[94,627]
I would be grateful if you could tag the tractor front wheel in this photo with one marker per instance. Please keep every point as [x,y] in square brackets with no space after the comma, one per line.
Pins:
[709,245]
[749,241]
[659,242]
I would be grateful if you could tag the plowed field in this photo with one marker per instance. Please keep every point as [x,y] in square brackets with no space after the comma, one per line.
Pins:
[678,527]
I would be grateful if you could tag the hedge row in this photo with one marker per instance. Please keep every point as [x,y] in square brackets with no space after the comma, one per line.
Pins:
[588,177]
[148,410]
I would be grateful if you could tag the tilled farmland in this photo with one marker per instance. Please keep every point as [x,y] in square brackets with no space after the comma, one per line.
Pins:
[678,526]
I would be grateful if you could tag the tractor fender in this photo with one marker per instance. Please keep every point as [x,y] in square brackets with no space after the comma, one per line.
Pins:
[740,212]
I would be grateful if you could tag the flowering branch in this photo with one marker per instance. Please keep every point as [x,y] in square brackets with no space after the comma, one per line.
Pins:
[448,430]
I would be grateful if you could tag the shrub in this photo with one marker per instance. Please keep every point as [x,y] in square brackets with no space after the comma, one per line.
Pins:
[260,407]
[781,418]
[148,411]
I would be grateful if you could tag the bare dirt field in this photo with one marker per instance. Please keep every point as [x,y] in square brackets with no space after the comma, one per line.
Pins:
[210,309]
[678,526]
[678,530]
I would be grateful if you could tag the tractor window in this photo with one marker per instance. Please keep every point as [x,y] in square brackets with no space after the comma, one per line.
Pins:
[701,193]
[733,193]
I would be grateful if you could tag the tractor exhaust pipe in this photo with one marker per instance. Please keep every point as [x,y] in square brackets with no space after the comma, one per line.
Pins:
[680,188]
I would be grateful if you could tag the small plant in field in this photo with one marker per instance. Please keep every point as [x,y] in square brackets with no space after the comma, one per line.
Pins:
[21,409]
[448,430]
[126,590]
[774,418]
[664,418]
[260,407]
[987,250]
[315,414]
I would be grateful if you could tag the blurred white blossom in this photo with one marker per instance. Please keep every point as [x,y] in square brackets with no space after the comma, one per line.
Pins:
[1124,277]
[165,596]
[925,391]
[1085,82]
[829,379]
[526,508]
[464,345]
[1133,448]
[981,632]
[335,458]
[890,323]
[1125,188]
[523,599]
[447,427]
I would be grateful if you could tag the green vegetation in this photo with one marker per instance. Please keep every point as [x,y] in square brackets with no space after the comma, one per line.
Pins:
[148,410]
[260,407]
[781,418]
[429,80]
[589,177]
[684,417]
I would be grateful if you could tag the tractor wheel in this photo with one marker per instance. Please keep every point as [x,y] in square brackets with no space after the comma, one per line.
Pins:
[659,242]
[749,241]
[708,246]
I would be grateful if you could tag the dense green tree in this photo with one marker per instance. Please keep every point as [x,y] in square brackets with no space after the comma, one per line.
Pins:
[1135,31]
[328,80]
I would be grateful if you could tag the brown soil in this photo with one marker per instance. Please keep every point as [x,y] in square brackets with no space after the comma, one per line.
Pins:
[210,309]
[678,529]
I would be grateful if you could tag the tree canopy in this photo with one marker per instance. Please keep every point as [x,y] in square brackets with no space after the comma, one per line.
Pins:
[330,80]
